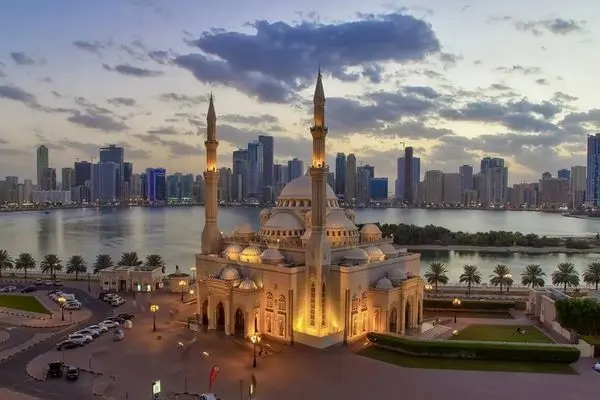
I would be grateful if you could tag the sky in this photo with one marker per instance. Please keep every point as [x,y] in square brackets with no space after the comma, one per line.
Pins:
[457,80]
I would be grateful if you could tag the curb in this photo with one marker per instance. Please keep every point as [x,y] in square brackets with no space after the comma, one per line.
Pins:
[31,345]
[6,311]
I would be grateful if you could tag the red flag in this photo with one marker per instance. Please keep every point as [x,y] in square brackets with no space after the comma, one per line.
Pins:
[214,372]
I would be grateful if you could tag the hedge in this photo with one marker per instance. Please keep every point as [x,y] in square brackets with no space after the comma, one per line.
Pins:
[480,305]
[466,349]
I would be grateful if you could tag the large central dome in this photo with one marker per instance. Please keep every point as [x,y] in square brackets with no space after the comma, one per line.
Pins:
[301,189]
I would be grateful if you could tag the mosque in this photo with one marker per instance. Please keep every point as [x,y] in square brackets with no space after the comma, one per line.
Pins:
[308,275]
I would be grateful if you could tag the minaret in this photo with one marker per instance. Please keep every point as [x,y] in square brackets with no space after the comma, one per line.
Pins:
[318,250]
[211,235]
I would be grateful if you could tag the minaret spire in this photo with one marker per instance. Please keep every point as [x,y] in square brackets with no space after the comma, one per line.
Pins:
[211,235]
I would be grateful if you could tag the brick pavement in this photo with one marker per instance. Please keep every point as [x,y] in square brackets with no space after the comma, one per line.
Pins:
[6,394]
[4,335]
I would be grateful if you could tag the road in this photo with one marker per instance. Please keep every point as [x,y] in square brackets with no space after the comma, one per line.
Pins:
[14,375]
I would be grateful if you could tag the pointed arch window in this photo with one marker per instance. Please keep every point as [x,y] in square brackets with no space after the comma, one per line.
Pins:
[313,300]
[363,302]
[354,304]
[281,304]
[269,301]
[323,305]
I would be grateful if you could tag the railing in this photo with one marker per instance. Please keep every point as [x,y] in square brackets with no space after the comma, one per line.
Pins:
[556,294]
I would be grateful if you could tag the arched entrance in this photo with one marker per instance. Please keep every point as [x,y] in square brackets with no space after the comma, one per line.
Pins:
[205,313]
[220,317]
[239,328]
[393,324]
[407,323]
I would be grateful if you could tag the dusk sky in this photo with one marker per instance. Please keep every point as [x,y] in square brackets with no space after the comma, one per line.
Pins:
[457,80]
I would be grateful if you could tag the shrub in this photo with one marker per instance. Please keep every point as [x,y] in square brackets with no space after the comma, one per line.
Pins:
[580,315]
[464,349]
[479,305]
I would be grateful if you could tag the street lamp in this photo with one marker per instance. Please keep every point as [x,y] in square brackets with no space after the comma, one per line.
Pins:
[62,300]
[89,282]
[182,284]
[428,288]
[455,303]
[154,309]
[255,339]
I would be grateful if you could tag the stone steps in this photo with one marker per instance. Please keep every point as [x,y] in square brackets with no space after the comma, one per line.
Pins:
[435,332]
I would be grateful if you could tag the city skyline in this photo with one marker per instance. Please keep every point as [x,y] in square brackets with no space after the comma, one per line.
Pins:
[145,88]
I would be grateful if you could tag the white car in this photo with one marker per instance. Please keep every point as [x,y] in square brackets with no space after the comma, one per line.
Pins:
[117,301]
[110,296]
[9,289]
[98,328]
[118,335]
[79,338]
[596,366]
[48,283]
[109,324]
[72,307]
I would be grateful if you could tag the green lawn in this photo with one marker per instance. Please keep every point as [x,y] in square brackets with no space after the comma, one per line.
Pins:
[467,314]
[502,333]
[407,361]
[25,303]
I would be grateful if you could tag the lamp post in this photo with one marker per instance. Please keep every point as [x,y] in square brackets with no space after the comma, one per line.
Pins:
[154,309]
[508,279]
[455,303]
[89,282]
[62,300]
[182,284]
[428,288]
[255,339]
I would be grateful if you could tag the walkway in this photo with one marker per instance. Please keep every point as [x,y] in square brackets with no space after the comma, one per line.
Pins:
[6,394]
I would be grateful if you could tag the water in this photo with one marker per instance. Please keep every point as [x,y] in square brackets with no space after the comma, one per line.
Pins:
[175,233]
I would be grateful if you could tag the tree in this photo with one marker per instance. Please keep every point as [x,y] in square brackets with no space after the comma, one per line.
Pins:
[436,274]
[25,262]
[155,261]
[470,276]
[566,275]
[103,261]
[591,276]
[501,276]
[50,264]
[77,265]
[533,276]
[580,315]
[6,261]
[130,259]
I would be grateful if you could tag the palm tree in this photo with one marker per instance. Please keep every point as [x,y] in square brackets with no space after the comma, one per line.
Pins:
[470,276]
[51,263]
[566,275]
[591,276]
[436,274]
[6,262]
[77,265]
[501,276]
[533,276]
[130,259]
[25,262]
[155,261]
[103,261]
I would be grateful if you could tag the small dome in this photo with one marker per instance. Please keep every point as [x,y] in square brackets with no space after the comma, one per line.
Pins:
[357,254]
[374,252]
[247,284]
[370,229]
[301,189]
[349,213]
[229,274]
[243,229]
[232,249]
[272,255]
[397,275]
[264,211]
[384,283]
[388,249]
[251,251]
[337,220]
[284,221]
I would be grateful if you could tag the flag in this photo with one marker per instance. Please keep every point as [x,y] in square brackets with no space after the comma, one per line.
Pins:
[214,372]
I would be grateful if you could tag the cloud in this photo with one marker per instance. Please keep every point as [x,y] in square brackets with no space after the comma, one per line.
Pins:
[167,131]
[100,122]
[542,81]
[175,148]
[122,101]
[520,69]
[250,119]
[20,58]
[91,149]
[92,46]
[129,70]
[183,98]
[17,94]
[280,59]
[557,26]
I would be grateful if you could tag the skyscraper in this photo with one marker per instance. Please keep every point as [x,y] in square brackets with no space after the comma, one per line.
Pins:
[104,182]
[239,180]
[256,167]
[408,176]
[295,168]
[224,186]
[465,173]
[268,147]
[42,164]
[350,193]
[400,175]
[340,174]
[578,184]
[564,174]
[115,154]
[82,180]
[67,178]
[592,195]
[156,185]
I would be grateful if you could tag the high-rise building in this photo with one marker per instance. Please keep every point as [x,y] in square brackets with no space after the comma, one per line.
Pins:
[554,192]
[433,187]
[350,196]
[27,190]
[378,189]
[592,193]
[67,178]
[363,176]
[174,186]
[240,173]
[451,190]
[340,174]
[280,177]
[156,185]
[115,154]
[136,187]
[187,186]
[295,168]
[564,174]
[578,185]
[82,171]
[224,186]
[409,182]
[42,164]
[104,182]
[268,149]
[465,173]
[48,179]
[495,185]
[331,179]
[400,175]
[256,168]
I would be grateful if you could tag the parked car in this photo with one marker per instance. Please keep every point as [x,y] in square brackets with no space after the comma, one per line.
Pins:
[118,335]
[109,296]
[208,396]
[8,289]
[38,282]
[118,320]
[50,293]
[109,324]
[55,369]
[102,295]
[72,303]
[72,373]
[102,329]
[126,316]
[116,302]
[58,282]
[596,366]
[89,332]
[73,307]
[68,344]
[48,282]
[79,338]
[29,289]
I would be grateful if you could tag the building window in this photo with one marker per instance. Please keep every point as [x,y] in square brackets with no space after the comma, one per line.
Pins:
[313,300]
[269,327]
[323,306]
[281,304]
[354,304]
[269,301]
[363,303]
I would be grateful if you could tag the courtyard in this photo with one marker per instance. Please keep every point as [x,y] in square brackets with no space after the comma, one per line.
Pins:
[23,303]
